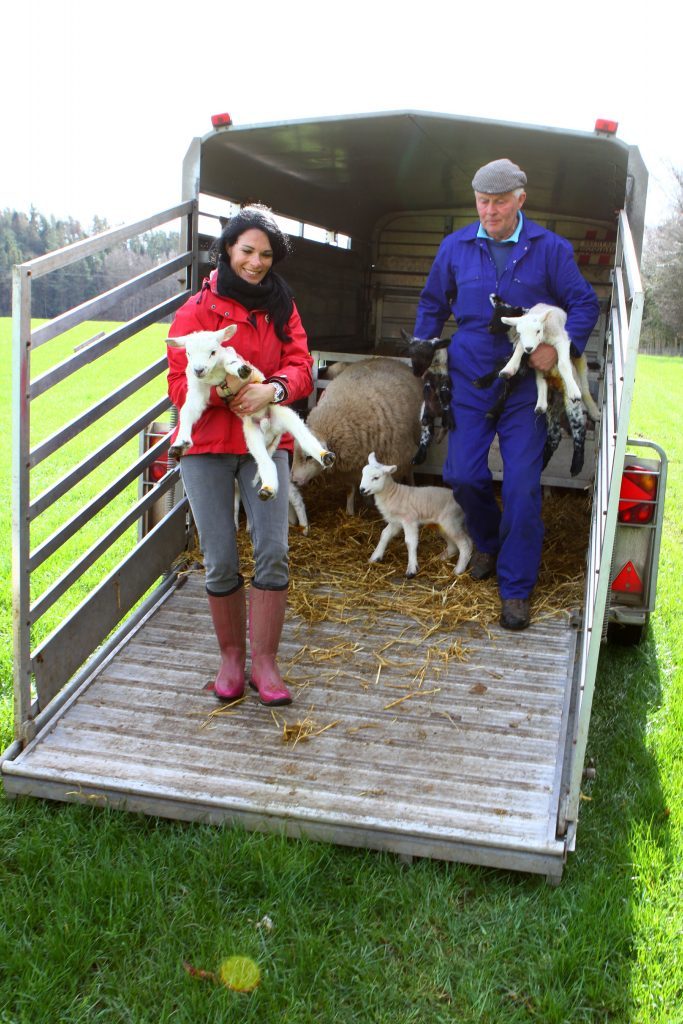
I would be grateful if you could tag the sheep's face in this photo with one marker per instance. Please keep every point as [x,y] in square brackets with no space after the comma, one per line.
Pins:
[421,351]
[204,349]
[305,467]
[374,476]
[501,309]
[530,329]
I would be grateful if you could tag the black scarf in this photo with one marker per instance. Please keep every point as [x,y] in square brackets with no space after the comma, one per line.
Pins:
[273,295]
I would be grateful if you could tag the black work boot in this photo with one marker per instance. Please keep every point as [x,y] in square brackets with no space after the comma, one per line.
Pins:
[515,613]
[482,565]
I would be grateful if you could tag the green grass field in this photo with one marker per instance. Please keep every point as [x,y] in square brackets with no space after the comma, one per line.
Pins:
[100,910]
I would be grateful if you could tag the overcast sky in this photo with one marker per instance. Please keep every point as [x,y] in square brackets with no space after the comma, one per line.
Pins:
[101,100]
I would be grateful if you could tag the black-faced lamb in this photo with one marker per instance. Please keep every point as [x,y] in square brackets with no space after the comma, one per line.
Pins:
[372,406]
[544,324]
[211,362]
[502,308]
[429,361]
[407,508]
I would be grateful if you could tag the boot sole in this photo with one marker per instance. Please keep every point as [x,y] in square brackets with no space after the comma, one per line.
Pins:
[277,703]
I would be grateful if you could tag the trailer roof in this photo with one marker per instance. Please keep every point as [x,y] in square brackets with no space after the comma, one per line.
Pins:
[347,172]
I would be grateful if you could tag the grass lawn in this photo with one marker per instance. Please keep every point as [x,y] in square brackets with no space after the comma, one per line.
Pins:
[100,910]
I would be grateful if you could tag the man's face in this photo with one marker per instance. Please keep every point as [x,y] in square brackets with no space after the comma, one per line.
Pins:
[498,213]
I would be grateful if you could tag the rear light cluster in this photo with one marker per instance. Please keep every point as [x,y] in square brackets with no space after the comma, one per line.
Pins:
[638,496]
[159,468]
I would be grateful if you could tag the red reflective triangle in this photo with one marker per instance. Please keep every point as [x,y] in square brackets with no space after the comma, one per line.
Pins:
[628,581]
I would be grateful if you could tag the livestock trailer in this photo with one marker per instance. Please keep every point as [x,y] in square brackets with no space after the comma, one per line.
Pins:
[480,765]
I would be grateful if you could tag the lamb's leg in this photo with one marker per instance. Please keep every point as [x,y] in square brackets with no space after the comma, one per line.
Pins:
[581,375]
[553,435]
[266,467]
[512,365]
[426,437]
[296,502]
[542,392]
[189,414]
[564,368]
[351,500]
[410,532]
[287,419]
[576,416]
[458,539]
[388,533]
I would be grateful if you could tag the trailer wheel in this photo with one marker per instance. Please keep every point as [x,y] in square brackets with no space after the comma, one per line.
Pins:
[626,634]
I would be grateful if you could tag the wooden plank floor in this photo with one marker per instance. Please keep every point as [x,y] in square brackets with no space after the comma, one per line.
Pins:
[400,747]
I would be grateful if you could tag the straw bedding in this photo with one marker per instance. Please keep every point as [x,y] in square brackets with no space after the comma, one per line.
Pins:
[331,579]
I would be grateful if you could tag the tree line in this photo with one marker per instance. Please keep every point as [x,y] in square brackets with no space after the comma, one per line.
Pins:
[662,270]
[25,236]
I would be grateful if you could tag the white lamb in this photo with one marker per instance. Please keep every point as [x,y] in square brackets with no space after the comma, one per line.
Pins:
[210,362]
[546,324]
[411,507]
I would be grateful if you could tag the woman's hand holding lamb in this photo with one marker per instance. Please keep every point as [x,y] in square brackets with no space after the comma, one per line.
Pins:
[252,399]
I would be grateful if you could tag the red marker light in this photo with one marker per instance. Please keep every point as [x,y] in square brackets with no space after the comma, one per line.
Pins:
[605,126]
[221,120]
[637,495]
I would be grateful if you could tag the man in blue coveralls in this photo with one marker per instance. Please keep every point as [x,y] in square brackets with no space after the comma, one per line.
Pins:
[506,253]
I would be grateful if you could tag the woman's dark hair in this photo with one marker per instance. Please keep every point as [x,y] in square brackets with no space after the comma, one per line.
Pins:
[272,293]
[253,216]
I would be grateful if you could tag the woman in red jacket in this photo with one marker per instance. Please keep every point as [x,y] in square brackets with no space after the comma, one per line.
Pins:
[243,290]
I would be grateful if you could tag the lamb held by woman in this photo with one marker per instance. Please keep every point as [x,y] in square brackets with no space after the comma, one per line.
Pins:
[211,362]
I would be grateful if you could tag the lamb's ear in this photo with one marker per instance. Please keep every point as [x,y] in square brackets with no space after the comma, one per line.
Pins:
[228,332]
[511,321]
[390,469]
[175,342]
[372,461]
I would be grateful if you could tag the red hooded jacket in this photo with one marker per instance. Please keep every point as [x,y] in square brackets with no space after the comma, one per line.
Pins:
[218,430]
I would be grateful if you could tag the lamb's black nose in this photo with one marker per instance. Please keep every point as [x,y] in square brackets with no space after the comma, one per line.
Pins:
[243,372]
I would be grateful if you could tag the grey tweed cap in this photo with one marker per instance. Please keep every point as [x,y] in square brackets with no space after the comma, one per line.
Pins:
[498,176]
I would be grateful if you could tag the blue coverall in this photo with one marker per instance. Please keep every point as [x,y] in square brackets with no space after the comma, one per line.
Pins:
[540,268]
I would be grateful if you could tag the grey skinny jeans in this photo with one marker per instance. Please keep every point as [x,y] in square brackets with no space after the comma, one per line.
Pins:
[209,482]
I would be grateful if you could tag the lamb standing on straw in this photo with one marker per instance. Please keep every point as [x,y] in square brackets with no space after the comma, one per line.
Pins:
[411,507]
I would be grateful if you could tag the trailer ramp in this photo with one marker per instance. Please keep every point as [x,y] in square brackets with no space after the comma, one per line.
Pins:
[460,762]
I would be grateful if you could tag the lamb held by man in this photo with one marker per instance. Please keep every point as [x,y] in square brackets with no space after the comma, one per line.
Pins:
[211,362]
[544,324]
[407,508]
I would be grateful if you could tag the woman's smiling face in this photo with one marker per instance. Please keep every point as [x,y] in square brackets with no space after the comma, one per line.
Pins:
[251,256]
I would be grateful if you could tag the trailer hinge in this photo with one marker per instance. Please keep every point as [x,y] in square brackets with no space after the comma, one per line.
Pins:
[27,731]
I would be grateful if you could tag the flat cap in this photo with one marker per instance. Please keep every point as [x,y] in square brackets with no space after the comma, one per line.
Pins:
[498,176]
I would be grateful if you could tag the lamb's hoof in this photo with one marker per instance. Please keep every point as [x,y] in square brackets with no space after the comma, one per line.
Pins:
[504,376]
[266,493]
[411,575]
[577,465]
[541,409]
[328,459]
[177,451]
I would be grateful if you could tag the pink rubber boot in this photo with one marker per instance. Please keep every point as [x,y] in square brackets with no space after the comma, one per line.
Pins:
[229,614]
[266,618]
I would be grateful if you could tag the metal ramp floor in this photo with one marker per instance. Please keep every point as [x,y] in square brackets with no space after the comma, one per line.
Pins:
[389,744]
